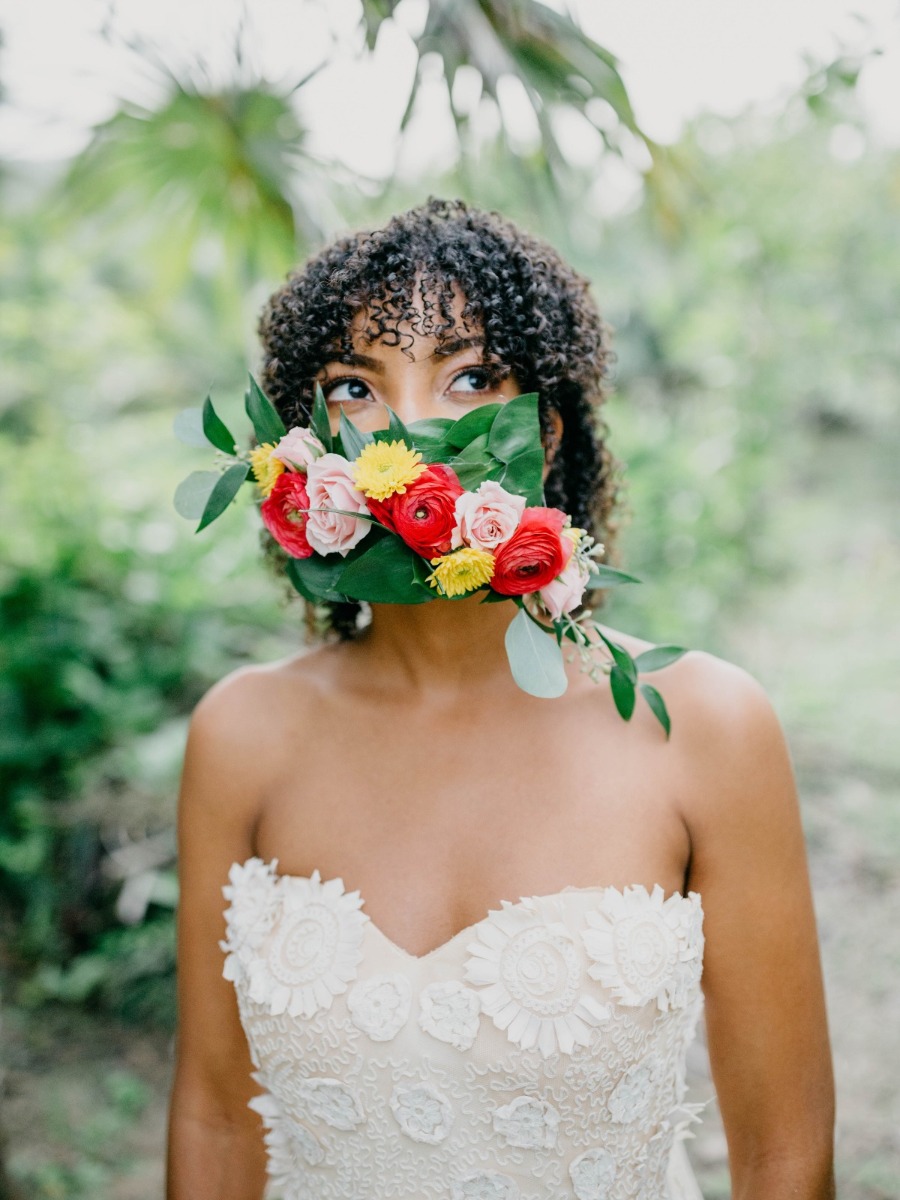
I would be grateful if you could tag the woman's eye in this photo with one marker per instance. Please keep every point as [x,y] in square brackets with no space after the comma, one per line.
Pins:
[343,390]
[476,379]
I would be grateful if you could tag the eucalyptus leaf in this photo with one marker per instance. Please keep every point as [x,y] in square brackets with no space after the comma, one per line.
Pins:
[658,656]
[223,493]
[192,493]
[387,573]
[516,427]
[188,427]
[321,425]
[607,577]
[352,439]
[658,705]
[535,658]
[472,425]
[267,425]
[623,692]
[215,430]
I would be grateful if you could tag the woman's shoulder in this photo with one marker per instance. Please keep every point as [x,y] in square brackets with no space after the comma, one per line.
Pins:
[254,704]
[722,714]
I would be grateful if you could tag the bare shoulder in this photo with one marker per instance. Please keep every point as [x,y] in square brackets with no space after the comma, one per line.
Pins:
[725,726]
[241,727]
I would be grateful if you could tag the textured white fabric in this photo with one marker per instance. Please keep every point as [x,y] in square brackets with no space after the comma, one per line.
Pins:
[536,1055]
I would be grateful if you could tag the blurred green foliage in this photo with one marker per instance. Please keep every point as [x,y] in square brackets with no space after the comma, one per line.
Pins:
[735,351]
[752,295]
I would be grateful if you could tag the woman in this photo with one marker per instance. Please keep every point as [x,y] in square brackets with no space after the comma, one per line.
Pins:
[466,926]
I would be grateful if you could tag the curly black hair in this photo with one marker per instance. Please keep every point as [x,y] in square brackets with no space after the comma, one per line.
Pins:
[534,311]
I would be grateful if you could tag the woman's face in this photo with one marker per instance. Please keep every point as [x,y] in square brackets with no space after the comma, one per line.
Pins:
[421,378]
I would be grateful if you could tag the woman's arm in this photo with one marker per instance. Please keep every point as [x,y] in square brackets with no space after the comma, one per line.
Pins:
[215,1143]
[765,1007]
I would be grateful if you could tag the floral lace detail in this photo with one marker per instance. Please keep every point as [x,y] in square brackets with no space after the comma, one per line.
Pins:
[290,1146]
[450,1105]
[331,1101]
[422,1112]
[527,1122]
[646,948]
[531,972]
[485,1185]
[593,1174]
[634,1093]
[380,1005]
[297,940]
[449,1012]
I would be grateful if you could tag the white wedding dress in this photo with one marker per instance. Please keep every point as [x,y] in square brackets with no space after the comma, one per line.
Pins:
[536,1055]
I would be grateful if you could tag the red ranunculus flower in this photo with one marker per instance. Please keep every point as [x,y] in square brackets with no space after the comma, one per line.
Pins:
[282,516]
[424,515]
[534,554]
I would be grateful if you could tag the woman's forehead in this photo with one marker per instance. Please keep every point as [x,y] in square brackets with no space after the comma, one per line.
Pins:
[426,326]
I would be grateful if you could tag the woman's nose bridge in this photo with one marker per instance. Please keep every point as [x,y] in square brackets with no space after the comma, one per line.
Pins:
[411,393]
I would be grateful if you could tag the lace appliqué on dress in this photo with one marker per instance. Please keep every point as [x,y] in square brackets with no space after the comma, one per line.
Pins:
[541,1057]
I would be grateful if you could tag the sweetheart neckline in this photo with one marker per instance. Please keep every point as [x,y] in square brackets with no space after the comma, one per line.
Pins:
[275,875]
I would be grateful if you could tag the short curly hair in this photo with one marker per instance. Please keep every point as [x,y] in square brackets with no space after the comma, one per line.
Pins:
[533,310]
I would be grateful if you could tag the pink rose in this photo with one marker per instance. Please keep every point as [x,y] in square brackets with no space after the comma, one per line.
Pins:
[487,517]
[564,593]
[298,448]
[330,485]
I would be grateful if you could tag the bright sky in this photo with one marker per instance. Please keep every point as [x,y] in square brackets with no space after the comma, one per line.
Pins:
[678,57]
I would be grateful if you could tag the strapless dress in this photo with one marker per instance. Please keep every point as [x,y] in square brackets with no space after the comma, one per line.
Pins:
[539,1054]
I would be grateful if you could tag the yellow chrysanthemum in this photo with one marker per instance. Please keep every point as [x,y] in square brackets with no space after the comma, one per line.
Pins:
[462,571]
[384,468]
[265,467]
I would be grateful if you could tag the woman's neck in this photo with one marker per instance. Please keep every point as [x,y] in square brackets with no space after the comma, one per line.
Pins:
[443,646]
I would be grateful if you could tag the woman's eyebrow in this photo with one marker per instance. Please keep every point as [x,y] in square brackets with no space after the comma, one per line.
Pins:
[458,344]
[351,359]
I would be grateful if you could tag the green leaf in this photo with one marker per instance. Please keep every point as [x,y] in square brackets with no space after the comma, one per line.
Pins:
[397,431]
[431,427]
[607,577]
[472,425]
[658,656]
[658,705]
[315,577]
[267,425]
[621,657]
[476,463]
[491,597]
[523,475]
[352,439]
[516,428]
[623,692]
[216,432]
[188,427]
[192,493]
[388,573]
[320,424]
[535,658]
[223,493]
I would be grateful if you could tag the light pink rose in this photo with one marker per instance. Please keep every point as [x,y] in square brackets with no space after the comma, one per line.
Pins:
[330,485]
[486,518]
[564,593]
[298,448]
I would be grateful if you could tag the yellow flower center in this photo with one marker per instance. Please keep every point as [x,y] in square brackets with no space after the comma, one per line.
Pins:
[461,571]
[265,467]
[384,468]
